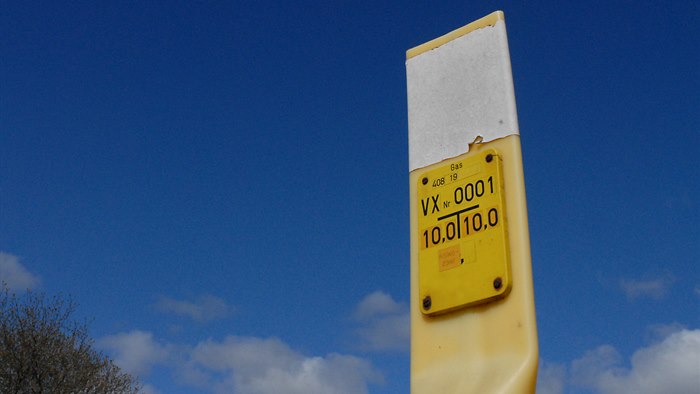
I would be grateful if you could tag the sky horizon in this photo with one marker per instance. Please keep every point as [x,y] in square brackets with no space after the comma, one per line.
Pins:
[223,187]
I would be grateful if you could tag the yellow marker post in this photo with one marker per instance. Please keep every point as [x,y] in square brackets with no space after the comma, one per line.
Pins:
[473,327]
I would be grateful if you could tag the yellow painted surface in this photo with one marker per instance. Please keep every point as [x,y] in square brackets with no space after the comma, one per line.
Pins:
[491,347]
[463,256]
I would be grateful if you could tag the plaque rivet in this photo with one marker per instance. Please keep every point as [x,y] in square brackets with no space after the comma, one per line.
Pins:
[427,303]
[497,283]
[489,158]
[425,180]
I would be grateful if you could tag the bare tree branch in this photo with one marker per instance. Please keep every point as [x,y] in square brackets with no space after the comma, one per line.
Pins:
[43,351]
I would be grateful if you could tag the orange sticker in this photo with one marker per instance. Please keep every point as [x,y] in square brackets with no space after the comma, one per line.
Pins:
[450,258]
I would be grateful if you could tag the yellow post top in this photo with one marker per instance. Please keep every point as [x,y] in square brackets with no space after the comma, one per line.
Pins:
[488,20]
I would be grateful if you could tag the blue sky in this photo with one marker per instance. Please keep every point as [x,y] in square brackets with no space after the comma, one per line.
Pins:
[223,187]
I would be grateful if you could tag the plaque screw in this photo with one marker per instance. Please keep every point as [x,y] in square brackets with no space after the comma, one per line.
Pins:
[425,180]
[427,303]
[497,283]
[489,158]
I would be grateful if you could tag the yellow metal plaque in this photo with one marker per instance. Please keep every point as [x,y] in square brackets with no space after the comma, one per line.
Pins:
[463,256]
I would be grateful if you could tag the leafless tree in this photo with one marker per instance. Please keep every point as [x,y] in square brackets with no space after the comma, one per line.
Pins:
[42,350]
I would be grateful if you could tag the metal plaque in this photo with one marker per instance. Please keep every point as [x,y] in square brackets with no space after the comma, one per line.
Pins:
[463,256]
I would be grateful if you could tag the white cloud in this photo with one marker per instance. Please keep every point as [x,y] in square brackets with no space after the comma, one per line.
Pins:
[670,366]
[249,365]
[657,332]
[148,389]
[377,303]
[136,352]
[655,288]
[242,365]
[205,308]
[550,378]
[587,370]
[387,333]
[384,323]
[13,273]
